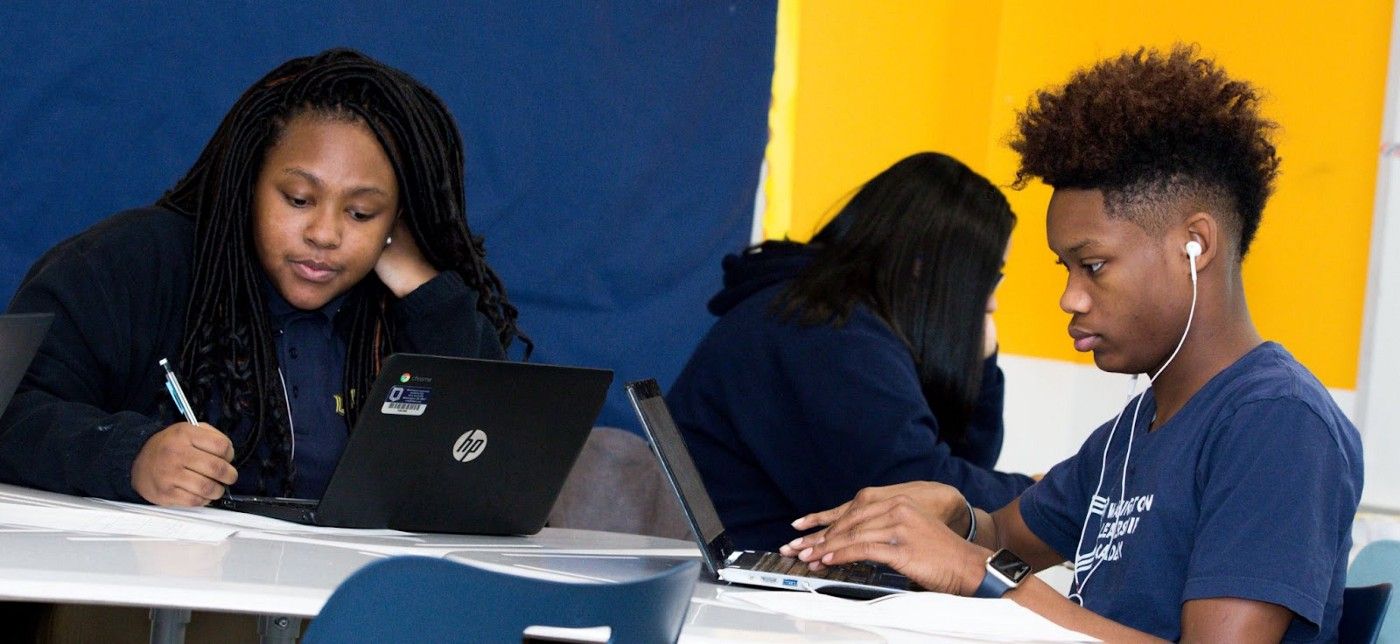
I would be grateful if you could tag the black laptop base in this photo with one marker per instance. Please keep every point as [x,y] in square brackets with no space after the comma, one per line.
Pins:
[301,511]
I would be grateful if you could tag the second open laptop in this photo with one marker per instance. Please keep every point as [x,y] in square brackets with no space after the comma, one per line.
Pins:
[454,445]
[722,560]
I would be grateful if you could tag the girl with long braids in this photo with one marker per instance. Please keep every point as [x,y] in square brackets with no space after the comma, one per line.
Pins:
[322,228]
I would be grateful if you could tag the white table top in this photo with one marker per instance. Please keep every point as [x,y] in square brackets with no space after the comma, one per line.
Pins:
[291,572]
[285,570]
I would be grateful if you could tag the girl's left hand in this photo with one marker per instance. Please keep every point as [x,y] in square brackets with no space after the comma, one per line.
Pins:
[401,264]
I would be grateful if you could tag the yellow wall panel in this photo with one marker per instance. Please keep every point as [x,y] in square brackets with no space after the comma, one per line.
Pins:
[864,99]
[881,80]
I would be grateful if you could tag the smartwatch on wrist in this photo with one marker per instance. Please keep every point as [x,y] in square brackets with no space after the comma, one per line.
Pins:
[1004,571]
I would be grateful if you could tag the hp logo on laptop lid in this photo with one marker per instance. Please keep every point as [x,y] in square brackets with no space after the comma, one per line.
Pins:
[469,446]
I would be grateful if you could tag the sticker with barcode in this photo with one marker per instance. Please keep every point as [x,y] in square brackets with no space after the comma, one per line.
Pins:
[406,401]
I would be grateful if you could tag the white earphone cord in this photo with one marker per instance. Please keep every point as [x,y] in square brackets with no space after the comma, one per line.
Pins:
[1089,560]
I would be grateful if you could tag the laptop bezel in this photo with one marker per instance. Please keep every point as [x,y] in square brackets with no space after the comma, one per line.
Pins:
[716,551]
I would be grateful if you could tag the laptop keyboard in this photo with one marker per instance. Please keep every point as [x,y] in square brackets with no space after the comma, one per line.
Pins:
[854,573]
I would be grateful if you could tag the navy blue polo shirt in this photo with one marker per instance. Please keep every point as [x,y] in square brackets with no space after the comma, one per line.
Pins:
[311,359]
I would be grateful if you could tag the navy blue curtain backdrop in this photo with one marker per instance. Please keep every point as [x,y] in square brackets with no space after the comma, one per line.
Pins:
[613,148]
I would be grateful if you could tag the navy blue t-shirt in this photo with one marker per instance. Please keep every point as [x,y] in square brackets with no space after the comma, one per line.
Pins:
[1249,491]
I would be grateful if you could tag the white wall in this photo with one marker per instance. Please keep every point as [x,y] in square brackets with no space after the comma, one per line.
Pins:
[1379,373]
[1051,407]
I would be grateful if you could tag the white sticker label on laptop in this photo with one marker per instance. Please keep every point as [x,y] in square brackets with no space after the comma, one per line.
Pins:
[404,400]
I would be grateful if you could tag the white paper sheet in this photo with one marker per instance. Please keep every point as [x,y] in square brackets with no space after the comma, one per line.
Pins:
[113,522]
[369,543]
[246,521]
[927,613]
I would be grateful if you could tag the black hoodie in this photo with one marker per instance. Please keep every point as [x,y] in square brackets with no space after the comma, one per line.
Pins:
[783,419]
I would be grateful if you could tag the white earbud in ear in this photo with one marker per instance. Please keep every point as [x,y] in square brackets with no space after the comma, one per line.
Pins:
[390,239]
[1193,250]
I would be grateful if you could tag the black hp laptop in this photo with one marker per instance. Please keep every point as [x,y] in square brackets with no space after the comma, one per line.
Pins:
[752,568]
[20,337]
[454,445]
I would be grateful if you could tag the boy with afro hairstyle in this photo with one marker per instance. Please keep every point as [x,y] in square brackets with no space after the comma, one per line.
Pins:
[1218,504]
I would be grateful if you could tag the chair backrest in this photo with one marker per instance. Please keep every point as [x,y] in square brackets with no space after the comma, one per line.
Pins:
[1363,612]
[617,486]
[1377,563]
[435,600]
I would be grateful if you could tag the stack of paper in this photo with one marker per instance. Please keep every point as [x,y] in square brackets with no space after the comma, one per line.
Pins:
[114,522]
[926,613]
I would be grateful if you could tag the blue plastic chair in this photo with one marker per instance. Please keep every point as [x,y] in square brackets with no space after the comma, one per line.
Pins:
[1377,563]
[1363,612]
[434,600]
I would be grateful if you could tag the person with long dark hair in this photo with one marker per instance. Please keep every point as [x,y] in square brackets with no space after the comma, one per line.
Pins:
[864,357]
[322,228]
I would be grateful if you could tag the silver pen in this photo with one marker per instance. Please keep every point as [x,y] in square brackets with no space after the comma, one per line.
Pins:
[172,385]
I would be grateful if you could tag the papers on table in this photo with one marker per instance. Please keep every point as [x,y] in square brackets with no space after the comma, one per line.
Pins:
[925,613]
[37,510]
[242,521]
[101,521]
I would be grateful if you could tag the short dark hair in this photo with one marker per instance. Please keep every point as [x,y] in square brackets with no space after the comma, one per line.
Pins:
[922,245]
[1148,127]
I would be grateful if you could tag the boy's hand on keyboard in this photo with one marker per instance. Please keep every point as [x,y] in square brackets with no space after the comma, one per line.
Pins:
[898,532]
[937,501]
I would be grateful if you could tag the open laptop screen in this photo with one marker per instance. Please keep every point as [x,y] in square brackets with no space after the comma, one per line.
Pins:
[656,419]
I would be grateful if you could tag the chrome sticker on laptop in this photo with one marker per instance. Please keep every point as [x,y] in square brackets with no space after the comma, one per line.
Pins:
[469,446]
[405,400]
